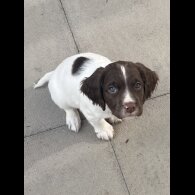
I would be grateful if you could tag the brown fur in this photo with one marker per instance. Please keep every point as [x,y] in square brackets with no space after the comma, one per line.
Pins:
[96,86]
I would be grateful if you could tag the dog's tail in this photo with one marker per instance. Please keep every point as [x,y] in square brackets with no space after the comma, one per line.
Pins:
[43,80]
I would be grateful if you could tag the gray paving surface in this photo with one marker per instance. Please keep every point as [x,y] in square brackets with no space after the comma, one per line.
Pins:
[58,161]
[144,159]
[62,162]
[47,38]
[133,30]
[41,114]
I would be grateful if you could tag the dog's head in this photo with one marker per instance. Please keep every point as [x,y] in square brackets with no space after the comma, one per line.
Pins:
[122,86]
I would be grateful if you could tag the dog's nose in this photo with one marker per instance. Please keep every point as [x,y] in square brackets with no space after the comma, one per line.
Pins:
[129,106]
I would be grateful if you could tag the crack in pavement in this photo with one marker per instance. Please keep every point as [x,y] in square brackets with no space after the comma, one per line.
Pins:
[120,167]
[77,48]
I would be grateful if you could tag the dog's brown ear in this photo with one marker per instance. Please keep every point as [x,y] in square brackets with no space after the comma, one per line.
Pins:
[92,87]
[150,79]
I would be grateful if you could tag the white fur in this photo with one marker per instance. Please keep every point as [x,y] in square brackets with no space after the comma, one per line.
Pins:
[73,120]
[127,96]
[124,73]
[65,92]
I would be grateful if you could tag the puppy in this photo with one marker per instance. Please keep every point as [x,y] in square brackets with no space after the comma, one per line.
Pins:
[100,89]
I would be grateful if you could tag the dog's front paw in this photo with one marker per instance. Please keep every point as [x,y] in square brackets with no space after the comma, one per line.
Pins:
[114,120]
[106,133]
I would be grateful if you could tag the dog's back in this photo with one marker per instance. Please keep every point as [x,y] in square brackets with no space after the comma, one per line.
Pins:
[65,82]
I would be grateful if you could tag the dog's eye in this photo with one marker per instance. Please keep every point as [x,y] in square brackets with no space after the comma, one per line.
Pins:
[138,85]
[112,89]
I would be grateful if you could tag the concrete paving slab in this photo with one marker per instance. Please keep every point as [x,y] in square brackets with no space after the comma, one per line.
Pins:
[62,162]
[40,112]
[124,30]
[47,38]
[142,147]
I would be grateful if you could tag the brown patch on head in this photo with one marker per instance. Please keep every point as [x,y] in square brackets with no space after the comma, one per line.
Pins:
[92,88]
[150,79]
[126,83]
[114,87]
[109,86]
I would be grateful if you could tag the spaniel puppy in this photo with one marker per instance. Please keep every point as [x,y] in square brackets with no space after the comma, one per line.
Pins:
[100,89]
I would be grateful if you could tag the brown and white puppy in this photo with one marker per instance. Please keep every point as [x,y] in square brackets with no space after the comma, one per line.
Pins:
[101,89]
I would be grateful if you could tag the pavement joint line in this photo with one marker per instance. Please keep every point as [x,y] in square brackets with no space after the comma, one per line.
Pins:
[120,167]
[164,94]
[52,128]
[46,130]
[69,27]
